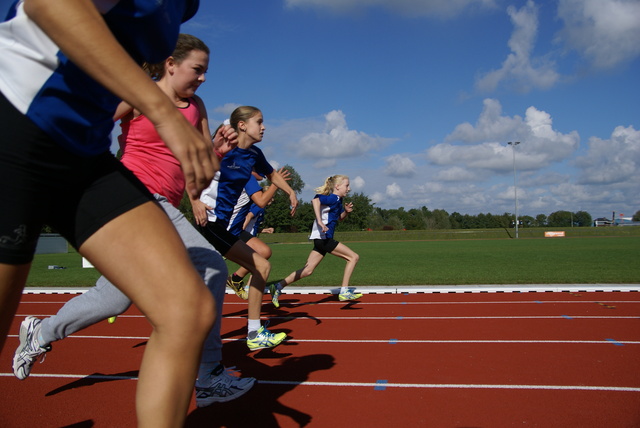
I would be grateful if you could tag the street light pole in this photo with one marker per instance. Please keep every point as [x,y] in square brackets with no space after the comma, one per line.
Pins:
[515,184]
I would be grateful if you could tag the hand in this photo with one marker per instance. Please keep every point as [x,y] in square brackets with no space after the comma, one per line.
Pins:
[199,209]
[225,139]
[348,207]
[294,203]
[286,174]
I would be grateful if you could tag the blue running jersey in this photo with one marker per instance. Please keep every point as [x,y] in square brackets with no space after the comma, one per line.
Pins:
[330,210]
[235,170]
[63,101]
[243,205]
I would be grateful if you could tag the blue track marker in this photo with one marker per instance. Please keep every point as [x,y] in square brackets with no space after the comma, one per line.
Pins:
[380,385]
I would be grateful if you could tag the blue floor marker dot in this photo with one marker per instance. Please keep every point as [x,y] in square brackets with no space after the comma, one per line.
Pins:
[567,317]
[399,318]
[393,341]
[381,385]
[615,342]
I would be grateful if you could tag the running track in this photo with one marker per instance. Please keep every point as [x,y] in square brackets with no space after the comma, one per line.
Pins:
[534,356]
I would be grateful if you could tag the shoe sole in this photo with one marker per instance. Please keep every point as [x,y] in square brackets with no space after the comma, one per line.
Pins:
[265,347]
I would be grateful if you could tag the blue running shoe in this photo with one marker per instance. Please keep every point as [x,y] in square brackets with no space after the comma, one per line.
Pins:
[224,385]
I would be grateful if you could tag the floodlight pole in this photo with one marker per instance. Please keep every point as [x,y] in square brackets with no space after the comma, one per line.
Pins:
[515,184]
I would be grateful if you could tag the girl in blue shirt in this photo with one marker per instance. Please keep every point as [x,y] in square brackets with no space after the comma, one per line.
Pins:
[329,209]
[219,200]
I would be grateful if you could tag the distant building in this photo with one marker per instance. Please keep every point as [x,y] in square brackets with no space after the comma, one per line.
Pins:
[601,222]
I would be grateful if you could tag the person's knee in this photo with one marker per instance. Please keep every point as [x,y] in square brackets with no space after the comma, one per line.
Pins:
[263,267]
[195,314]
[266,252]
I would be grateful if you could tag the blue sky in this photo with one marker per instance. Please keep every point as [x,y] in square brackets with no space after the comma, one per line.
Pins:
[416,100]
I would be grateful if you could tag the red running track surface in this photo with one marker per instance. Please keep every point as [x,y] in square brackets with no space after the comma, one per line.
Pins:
[389,360]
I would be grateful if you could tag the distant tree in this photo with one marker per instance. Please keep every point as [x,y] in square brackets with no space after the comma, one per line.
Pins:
[278,214]
[415,220]
[527,221]
[358,219]
[394,223]
[376,221]
[457,220]
[636,216]
[560,219]
[541,220]
[441,219]
[582,219]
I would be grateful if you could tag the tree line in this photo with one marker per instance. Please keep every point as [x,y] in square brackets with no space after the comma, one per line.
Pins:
[366,216]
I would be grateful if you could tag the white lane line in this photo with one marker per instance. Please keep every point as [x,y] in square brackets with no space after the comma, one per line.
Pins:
[598,388]
[395,341]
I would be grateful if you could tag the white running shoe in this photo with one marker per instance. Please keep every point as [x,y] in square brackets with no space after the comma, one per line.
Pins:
[29,349]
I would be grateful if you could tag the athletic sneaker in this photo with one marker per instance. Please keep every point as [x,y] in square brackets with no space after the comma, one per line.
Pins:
[29,350]
[238,287]
[225,385]
[275,294]
[349,295]
[265,339]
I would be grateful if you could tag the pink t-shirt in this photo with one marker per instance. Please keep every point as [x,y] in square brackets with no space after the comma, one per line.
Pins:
[146,155]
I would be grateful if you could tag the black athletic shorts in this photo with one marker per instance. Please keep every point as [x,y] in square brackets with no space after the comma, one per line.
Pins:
[218,236]
[246,236]
[324,246]
[42,183]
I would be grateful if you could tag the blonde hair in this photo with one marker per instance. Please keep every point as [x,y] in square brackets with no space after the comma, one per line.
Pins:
[242,114]
[185,44]
[330,184]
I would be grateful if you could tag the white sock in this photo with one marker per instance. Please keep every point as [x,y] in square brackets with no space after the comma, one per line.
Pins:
[252,326]
[344,290]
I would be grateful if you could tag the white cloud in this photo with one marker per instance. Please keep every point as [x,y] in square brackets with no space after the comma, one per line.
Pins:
[336,141]
[357,183]
[413,8]
[456,174]
[393,191]
[226,109]
[486,146]
[520,69]
[606,32]
[615,160]
[400,166]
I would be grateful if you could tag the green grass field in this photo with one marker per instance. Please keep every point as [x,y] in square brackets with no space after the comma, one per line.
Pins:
[417,258]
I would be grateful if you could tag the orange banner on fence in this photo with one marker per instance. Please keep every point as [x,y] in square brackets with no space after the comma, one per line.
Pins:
[554,234]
